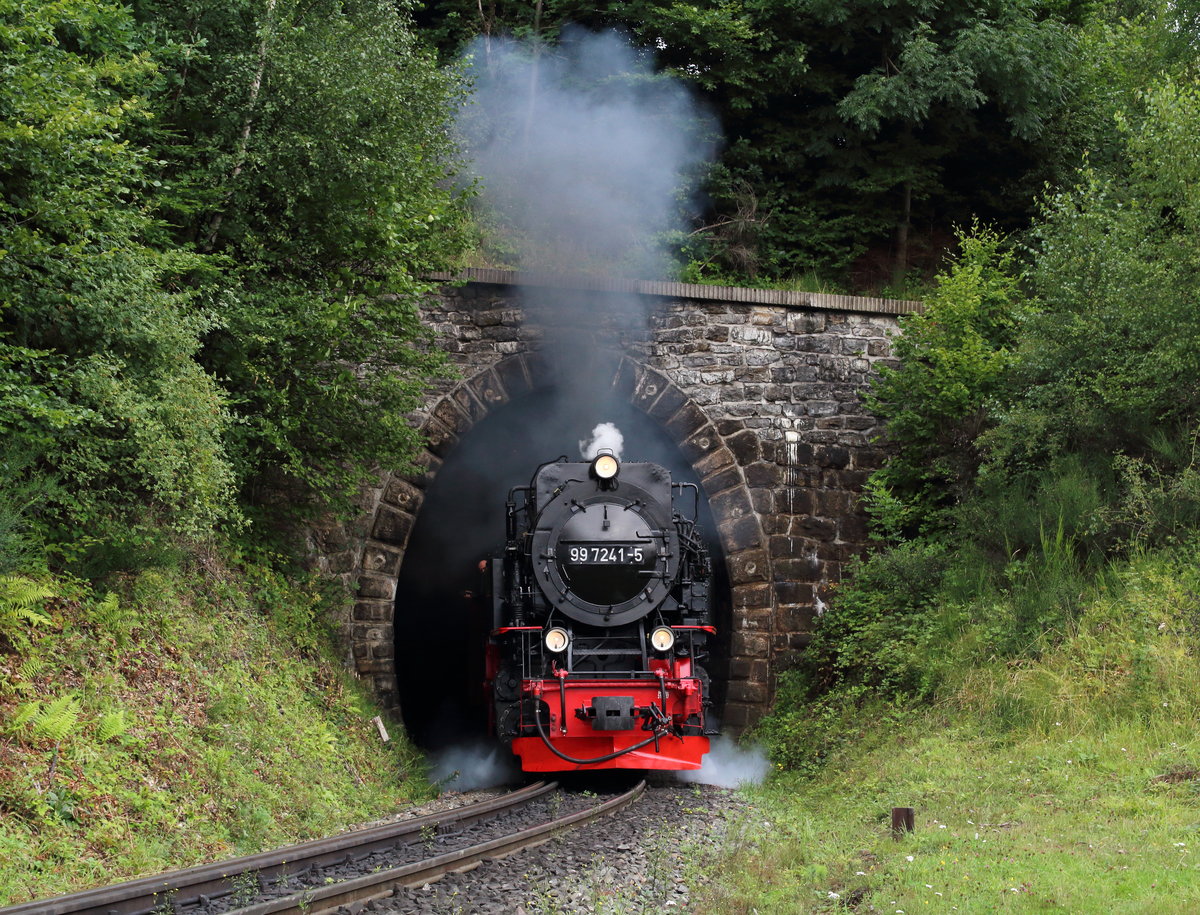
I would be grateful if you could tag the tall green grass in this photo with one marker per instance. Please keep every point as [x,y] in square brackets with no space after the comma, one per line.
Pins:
[179,716]
[1059,773]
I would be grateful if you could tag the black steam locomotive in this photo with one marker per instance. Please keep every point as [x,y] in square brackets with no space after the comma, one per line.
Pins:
[600,620]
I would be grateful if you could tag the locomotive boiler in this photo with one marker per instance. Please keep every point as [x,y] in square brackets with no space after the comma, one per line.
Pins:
[600,620]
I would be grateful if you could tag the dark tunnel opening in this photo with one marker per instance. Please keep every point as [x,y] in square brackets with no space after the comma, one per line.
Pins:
[439,635]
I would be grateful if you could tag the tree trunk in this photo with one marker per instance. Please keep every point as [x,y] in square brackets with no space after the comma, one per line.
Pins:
[533,73]
[900,265]
[239,159]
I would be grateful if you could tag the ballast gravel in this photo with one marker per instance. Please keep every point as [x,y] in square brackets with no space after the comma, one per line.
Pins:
[256,890]
[650,857]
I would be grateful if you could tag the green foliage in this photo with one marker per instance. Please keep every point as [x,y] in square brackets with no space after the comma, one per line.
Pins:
[1125,656]
[97,379]
[53,721]
[112,619]
[298,603]
[847,124]
[1006,518]
[804,732]
[112,725]
[881,624]
[29,668]
[1006,581]
[1044,446]
[209,712]
[1032,451]
[881,127]
[1123,48]
[20,606]
[1161,494]
[953,359]
[1037,602]
[1017,639]
[24,491]
[307,149]
[1014,821]
[1112,360]
[210,225]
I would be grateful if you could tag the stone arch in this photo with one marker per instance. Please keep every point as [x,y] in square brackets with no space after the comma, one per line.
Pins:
[722,460]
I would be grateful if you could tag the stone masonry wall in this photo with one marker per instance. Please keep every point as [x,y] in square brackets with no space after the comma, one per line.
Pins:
[762,391]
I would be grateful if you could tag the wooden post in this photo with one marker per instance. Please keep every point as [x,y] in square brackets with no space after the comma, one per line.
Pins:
[904,820]
[383,734]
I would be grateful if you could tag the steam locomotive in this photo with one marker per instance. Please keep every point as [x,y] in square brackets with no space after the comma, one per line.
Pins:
[600,620]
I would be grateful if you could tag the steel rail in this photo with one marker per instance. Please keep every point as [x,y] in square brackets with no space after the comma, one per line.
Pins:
[184,887]
[381,886]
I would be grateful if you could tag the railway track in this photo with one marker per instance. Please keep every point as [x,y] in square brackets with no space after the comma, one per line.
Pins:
[311,878]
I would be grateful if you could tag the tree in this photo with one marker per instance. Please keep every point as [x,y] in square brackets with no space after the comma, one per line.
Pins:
[98,381]
[894,116]
[212,223]
[1123,49]
[847,122]
[954,359]
[1112,361]
[1075,392]
[308,155]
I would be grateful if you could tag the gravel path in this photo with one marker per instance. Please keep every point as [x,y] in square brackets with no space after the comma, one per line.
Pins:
[649,858]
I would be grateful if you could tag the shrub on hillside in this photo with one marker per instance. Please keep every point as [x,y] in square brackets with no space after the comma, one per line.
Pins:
[881,624]
[953,360]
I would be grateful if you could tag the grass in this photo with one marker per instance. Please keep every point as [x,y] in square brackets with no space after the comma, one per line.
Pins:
[1074,824]
[1068,781]
[185,717]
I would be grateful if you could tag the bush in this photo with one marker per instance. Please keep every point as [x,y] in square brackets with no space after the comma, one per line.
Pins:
[953,360]
[1112,358]
[98,381]
[880,624]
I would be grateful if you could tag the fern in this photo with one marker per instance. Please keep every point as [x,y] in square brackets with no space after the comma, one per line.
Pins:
[20,600]
[56,720]
[109,617]
[31,666]
[29,669]
[112,724]
[25,713]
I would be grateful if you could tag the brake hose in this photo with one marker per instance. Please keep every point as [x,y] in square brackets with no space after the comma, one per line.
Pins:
[537,717]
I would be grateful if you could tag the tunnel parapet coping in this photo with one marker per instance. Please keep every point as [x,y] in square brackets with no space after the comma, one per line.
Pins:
[762,391]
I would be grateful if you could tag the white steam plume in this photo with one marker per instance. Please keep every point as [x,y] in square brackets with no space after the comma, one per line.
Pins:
[605,435]
[582,148]
[466,767]
[728,765]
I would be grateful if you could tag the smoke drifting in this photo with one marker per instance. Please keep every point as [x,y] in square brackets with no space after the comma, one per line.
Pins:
[583,155]
[605,435]
[729,765]
[581,148]
[465,767]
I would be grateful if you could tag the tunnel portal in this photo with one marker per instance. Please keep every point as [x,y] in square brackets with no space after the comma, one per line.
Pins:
[759,392]
[440,631]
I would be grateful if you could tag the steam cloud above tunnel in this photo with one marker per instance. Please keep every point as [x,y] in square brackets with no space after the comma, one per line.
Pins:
[583,155]
[582,149]
[585,158]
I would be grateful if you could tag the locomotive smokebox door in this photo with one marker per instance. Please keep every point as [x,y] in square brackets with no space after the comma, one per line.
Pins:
[613,713]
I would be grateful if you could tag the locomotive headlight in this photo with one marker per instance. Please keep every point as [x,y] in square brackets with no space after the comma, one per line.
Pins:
[605,466]
[662,639]
[556,639]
